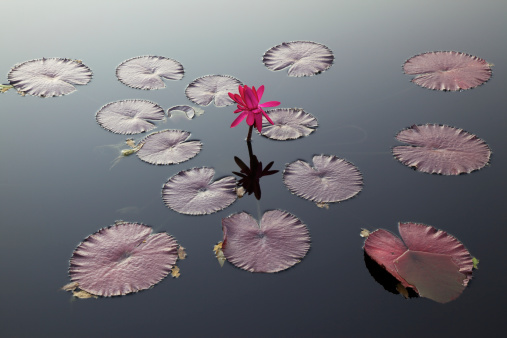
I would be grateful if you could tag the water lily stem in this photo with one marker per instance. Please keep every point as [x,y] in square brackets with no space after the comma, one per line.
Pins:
[249,137]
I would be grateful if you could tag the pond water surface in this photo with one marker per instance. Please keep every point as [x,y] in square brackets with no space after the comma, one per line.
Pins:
[58,182]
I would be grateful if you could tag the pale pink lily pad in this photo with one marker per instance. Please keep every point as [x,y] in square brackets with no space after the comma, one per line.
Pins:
[450,71]
[148,72]
[49,77]
[122,259]
[430,261]
[332,179]
[441,149]
[205,89]
[304,58]
[280,241]
[193,192]
[288,124]
[129,116]
[168,147]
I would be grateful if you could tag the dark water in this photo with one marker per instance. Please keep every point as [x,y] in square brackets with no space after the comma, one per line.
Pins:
[57,186]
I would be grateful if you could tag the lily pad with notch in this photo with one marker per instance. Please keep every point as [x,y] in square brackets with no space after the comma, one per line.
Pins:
[148,72]
[205,89]
[48,77]
[288,124]
[277,243]
[193,192]
[129,116]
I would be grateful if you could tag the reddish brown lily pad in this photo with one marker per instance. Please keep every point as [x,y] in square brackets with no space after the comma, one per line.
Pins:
[280,241]
[441,149]
[122,259]
[448,71]
[430,261]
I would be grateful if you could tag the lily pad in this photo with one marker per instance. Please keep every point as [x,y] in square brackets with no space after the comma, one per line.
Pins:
[148,72]
[280,241]
[205,89]
[332,179]
[168,147]
[129,116]
[441,149]
[288,124]
[304,58]
[193,192]
[447,71]
[430,261]
[189,111]
[122,259]
[49,77]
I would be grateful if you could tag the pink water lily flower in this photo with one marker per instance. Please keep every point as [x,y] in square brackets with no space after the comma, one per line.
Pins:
[249,106]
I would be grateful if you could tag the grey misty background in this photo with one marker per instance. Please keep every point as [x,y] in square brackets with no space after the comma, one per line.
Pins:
[57,186]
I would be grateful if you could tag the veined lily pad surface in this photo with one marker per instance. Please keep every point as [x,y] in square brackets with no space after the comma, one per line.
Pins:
[441,149]
[148,72]
[129,116]
[289,124]
[331,179]
[168,147]
[449,71]
[49,77]
[205,89]
[193,192]
[280,241]
[430,261]
[304,58]
[122,259]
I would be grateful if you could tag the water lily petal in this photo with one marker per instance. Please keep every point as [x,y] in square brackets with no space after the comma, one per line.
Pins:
[270,104]
[251,118]
[238,119]
[250,98]
[258,122]
[267,117]
[260,91]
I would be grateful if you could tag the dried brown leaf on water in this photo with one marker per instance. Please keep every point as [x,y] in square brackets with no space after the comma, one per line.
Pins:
[219,253]
[181,252]
[81,294]
[70,287]
[175,272]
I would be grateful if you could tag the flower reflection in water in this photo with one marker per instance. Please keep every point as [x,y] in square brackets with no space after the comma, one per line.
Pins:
[250,176]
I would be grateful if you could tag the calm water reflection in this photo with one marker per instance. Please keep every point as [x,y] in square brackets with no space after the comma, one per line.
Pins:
[58,185]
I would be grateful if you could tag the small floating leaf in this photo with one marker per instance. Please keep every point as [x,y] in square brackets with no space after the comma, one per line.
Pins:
[330,180]
[305,58]
[447,70]
[83,294]
[168,147]
[288,124]
[147,72]
[181,252]
[205,89]
[121,259]
[192,192]
[430,261]
[217,249]
[70,287]
[129,116]
[49,77]
[280,241]
[441,149]
[189,112]
[475,262]
[175,272]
